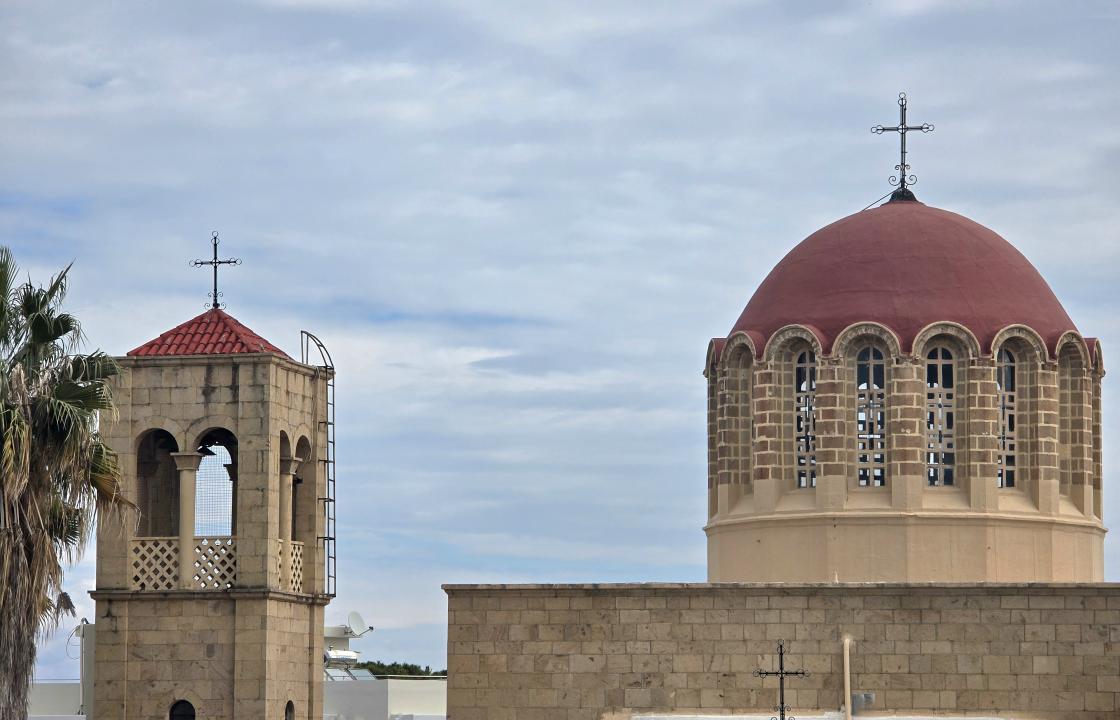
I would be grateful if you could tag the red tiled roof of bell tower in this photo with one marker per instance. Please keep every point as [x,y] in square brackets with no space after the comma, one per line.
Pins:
[214,332]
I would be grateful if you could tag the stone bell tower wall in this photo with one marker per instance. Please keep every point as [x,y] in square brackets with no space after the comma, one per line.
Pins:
[251,641]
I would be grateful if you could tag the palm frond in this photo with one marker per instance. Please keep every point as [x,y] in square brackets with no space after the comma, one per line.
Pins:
[56,474]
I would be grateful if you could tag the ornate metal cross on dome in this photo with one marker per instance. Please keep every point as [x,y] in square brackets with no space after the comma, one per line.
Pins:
[781,708]
[215,262]
[903,178]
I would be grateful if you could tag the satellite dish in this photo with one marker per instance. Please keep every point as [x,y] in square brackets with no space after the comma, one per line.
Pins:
[356,624]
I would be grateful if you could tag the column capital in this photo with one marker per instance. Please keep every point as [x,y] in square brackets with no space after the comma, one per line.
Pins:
[186,460]
[289,464]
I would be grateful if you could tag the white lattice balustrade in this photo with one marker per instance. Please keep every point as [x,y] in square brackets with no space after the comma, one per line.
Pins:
[155,563]
[296,567]
[215,563]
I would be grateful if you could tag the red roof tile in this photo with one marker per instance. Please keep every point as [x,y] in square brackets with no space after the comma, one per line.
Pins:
[214,332]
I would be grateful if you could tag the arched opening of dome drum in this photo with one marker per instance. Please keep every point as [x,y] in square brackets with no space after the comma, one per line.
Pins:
[1075,435]
[734,426]
[941,416]
[1006,371]
[805,417]
[871,409]
[1017,400]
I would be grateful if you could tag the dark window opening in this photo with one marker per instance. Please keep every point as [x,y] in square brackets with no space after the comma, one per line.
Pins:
[182,710]
[1008,442]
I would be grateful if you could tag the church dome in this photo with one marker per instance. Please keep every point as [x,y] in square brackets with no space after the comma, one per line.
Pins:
[904,265]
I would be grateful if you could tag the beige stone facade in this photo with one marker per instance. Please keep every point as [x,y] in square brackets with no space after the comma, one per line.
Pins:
[767,523]
[593,652]
[230,622]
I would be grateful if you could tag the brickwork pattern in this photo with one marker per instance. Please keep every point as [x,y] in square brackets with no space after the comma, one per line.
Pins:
[1053,508]
[591,652]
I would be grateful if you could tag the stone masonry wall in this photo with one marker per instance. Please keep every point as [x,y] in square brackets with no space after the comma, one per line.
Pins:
[585,652]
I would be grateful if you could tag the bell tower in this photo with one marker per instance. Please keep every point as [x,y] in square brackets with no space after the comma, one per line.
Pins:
[210,599]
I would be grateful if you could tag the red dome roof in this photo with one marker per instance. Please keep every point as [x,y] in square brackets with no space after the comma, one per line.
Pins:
[904,265]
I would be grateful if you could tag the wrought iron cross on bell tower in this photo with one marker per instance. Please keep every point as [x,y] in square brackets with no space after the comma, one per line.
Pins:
[215,262]
[903,178]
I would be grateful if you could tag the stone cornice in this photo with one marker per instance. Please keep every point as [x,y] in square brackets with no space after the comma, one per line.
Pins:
[230,359]
[207,595]
[906,587]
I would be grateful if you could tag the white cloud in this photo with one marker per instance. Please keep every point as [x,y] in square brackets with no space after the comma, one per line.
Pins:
[518,226]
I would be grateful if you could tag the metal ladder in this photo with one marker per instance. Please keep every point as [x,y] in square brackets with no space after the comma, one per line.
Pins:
[327,540]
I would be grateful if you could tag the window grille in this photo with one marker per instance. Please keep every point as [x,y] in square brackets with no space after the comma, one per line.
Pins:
[1006,386]
[805,407]
[214,495]
[871,404]
[940,417]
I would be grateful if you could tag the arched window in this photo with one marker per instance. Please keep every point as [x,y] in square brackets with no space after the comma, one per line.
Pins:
[157,485]
[940,417]
[216,485]
[1074,432]
[304,495]
[871,409]
[182,710]
[733,441]
[805,418]
[1007,387]
[290,711]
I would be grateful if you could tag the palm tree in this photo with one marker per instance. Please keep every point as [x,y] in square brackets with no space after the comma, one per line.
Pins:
[56,476]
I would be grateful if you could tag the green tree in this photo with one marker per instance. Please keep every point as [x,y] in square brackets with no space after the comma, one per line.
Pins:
[56,476]
[399,668]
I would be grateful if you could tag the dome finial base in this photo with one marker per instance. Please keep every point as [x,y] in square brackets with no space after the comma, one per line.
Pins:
[904,194]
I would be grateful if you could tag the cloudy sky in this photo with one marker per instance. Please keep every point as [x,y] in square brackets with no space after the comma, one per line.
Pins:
[516,226]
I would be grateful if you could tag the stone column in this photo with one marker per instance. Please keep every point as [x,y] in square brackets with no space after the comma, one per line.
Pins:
[187,465]
[980,441]
[288,467]
[733,434]
[906,433]
[769,453]
[1045,485]
[833,447]
[1081,441]
[231,470]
